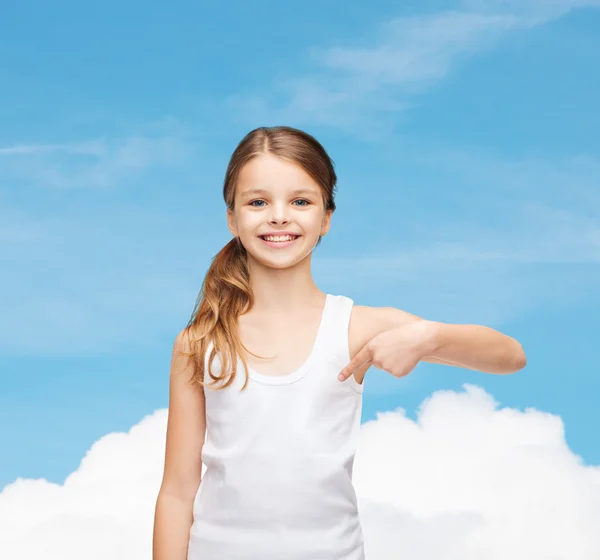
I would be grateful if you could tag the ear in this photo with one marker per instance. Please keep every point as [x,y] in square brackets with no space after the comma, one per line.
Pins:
[326,223]
[231,222]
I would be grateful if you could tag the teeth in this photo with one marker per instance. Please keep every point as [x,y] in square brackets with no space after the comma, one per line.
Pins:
[279,237]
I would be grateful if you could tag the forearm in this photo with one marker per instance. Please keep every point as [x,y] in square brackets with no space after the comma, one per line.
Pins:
[475,347]
[173,518]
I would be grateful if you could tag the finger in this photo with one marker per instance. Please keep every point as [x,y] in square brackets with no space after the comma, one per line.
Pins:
[360,359]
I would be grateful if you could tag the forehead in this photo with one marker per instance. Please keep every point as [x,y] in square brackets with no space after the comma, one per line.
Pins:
[267,173]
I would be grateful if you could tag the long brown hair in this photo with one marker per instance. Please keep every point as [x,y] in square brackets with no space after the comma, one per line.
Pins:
[226,293]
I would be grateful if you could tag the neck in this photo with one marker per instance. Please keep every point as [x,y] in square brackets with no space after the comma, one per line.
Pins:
[283,290]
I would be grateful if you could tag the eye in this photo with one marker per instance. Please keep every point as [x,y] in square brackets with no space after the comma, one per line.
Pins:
[301,200]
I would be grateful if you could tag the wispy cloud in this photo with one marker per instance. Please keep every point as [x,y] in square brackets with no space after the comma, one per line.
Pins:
[355,88]
[99,162]
[95,148]
[527,236]
[546,212]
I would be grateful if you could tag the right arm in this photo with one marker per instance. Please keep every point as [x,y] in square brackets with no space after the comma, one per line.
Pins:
[186,428]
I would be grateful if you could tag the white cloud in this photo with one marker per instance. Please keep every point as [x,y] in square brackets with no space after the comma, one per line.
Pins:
[356,88]
[495,483]
[97,163]
[467,480]
[415,51]
[103,510]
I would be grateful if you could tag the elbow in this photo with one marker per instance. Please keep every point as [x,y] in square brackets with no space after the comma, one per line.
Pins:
[519,359]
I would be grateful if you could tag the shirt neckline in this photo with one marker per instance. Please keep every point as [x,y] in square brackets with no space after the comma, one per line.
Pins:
[305,367]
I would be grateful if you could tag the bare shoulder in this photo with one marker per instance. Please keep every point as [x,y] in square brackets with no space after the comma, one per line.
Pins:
[186,423]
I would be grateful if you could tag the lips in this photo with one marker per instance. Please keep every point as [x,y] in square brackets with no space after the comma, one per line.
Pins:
[278,234]
[279,244]
[294,237]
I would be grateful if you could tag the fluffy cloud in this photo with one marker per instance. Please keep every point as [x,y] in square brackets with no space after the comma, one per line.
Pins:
[467,480]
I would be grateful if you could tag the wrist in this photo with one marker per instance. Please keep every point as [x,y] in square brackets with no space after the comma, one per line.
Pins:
[431,340]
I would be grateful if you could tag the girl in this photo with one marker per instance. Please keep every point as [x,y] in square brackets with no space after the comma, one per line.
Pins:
[278,439]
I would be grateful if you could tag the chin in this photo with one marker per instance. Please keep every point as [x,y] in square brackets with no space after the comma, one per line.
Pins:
[281,263]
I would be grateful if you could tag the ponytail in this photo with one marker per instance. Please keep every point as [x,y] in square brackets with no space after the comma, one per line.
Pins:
[225,295]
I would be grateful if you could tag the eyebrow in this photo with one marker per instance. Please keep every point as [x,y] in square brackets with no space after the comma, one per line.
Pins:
[259,190]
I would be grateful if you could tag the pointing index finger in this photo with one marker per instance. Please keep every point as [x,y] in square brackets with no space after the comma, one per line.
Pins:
[361,358]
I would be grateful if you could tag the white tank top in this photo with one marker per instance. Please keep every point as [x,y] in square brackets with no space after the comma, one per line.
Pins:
[279,458]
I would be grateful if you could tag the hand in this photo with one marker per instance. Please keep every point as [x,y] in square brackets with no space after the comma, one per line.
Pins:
[397,351]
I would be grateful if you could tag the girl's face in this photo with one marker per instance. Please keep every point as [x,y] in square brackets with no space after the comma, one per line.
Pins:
[274,196]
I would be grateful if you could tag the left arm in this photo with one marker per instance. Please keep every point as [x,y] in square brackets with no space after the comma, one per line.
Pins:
[469,346]
[475,347]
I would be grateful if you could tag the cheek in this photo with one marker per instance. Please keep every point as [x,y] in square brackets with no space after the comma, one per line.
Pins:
[312,223]
[249,221]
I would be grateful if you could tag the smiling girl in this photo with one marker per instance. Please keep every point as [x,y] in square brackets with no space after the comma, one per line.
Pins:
[266,380]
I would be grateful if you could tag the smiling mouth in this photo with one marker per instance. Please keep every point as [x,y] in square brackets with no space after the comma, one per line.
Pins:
[279,238]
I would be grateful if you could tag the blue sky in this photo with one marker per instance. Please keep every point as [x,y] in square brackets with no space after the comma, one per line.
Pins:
[465,140]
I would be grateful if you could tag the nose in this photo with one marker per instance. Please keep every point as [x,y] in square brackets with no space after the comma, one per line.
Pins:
[279,214]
